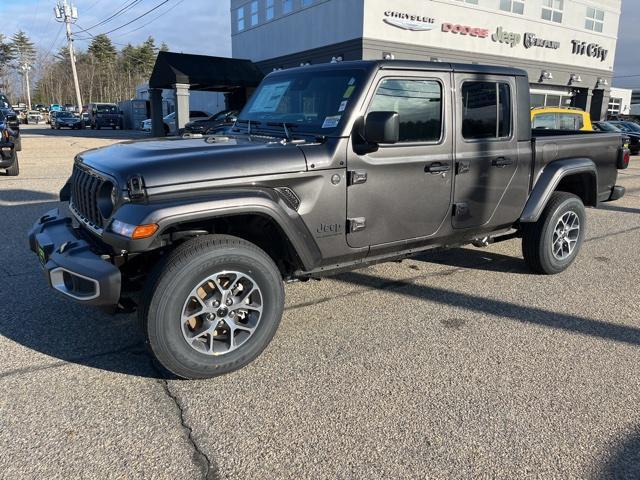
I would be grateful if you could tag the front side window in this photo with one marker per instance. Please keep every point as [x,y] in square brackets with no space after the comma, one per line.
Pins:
[240,19]
[594,20]
[486,110]
[306,3]
[254,13]
[269,12]
[513,6]
[552,10]
[287,6]
[419,107]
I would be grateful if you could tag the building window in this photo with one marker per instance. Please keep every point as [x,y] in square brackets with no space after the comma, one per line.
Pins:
[594,20]
[269,12]
[254,13]
[419,107]
[615,105]
[552,10]
[474,2]
[486,110]
[240,18]
[287,6]
[513,6]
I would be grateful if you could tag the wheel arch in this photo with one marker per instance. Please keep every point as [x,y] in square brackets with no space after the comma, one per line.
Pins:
[577,175]
[258,215]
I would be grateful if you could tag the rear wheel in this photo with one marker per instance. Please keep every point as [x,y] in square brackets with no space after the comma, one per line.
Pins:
[213,307]
[14,169]
[552,243]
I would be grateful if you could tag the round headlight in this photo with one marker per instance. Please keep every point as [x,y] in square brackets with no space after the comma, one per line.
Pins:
[107,199]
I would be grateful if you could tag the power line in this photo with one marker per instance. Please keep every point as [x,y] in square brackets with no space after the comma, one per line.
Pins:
[127,5]
[137,18]
[151,21]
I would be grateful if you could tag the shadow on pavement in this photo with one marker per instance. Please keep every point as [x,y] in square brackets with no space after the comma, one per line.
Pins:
[616,208]
[519,313]
[21,195]
[475,259]
[624,462]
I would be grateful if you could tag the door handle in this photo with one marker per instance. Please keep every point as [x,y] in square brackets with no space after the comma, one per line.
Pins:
[501,162]
[437,167]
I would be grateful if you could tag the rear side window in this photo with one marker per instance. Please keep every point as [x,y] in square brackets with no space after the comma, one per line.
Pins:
[486,110]
[570,121]
[546,121]
[419,107]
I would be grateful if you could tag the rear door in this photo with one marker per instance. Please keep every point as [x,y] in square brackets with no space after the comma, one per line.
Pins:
[486,149]
[403,191]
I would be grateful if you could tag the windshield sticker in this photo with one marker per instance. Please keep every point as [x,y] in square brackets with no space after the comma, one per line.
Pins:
[343,106]
[269,97]
[331,122]
[352,81]
[349,92]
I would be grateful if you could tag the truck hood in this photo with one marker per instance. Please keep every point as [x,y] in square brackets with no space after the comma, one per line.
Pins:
[176,161]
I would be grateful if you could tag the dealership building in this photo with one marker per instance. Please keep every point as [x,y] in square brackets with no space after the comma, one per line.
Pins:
[566,46]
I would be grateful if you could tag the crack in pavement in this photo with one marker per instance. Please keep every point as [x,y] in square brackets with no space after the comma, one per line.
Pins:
[200,458]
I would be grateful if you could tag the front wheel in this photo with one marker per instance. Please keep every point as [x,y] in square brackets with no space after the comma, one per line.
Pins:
[213,307]
[552,243]
[14,169]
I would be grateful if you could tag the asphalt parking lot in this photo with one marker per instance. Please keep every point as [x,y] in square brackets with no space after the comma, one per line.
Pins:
[456,364]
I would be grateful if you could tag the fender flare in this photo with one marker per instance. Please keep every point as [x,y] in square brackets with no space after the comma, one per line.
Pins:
[223,203]
[549,179]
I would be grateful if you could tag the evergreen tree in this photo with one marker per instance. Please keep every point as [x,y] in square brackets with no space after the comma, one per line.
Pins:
[23,49]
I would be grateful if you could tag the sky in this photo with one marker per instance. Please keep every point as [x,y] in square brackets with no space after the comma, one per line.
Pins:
[203,27]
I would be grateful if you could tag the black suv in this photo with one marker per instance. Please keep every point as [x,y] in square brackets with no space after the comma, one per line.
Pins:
[8,154]
[12,120]
[213,124]
[329,168]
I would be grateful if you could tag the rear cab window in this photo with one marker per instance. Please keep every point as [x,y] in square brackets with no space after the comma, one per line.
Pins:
[486,110]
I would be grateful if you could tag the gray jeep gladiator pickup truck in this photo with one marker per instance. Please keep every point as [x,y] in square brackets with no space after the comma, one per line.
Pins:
[328,168]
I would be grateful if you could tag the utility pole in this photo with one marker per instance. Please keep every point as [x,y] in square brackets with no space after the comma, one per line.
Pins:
[69,14]
[25,68]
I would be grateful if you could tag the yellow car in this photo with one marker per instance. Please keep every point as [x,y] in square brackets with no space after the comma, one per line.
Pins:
[560,118]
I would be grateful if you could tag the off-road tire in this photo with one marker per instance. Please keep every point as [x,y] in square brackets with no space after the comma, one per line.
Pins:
[168,287]
[18,144]
[537,238]
[14,169]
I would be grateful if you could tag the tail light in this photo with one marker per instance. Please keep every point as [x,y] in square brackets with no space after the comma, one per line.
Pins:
[623,158]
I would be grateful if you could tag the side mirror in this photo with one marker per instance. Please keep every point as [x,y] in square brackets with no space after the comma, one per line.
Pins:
[382,127]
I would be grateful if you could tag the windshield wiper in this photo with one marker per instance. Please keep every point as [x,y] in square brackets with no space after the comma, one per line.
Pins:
[287,127]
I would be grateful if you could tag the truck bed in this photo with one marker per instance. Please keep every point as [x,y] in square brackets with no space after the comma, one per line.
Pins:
[602,148]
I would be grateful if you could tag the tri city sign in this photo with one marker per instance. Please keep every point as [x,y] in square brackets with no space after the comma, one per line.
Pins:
[421,23]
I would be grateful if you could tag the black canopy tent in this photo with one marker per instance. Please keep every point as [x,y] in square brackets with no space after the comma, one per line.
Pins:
[184,72]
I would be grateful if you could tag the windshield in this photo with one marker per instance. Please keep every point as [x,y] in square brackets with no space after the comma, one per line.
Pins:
[64,115]
[312,102]
[631,127]
[106,109]
[607,127]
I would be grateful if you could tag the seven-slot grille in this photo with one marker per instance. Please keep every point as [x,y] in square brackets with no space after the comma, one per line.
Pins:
[84,192]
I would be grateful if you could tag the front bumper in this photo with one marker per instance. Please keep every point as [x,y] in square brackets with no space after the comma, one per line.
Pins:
[71,264]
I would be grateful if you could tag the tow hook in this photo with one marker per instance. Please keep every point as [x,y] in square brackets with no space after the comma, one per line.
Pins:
[481,242]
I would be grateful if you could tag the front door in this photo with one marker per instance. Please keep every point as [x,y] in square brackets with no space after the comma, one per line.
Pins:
[486,149]
[402,192]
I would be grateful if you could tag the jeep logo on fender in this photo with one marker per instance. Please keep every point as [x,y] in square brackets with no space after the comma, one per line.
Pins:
[465,30]
[329,230]
[511,39]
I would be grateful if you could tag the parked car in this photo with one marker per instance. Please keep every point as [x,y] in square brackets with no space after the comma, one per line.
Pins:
[560,118]
[632,130]
[632,141]
[34,116]
[383,160]
[85,118]
[8,153]
[213,123]
[12,120]
[105,115]
[169,121]
[66,119]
